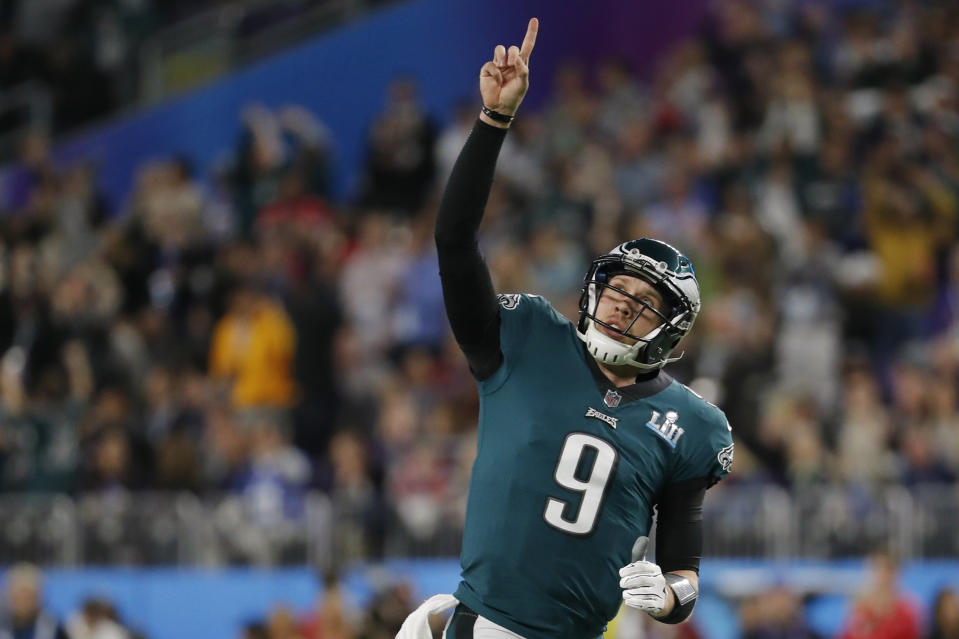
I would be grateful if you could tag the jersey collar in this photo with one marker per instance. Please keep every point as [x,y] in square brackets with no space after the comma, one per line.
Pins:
[639,390]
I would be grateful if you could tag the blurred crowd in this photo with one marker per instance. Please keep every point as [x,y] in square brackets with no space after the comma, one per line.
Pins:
[245,333]
[877,607]
[25,616]
[87,55]
[83,52]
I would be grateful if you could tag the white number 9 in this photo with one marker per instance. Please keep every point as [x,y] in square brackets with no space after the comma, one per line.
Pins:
[593,488]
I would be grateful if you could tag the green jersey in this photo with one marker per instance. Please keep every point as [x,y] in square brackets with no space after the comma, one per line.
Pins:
[567,472]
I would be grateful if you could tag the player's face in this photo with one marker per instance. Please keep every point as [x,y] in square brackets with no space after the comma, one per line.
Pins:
[619,310]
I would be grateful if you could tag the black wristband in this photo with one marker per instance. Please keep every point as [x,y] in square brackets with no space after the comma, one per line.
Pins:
[685,595]
[498,117]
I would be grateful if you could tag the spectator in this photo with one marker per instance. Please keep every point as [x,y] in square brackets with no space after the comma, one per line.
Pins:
[252,350]
[922,460]
[317,316]
[568,117]
[400,163]
[277,475]
[254,630]
[333,618]
[944,421]
[623,99]
[368,284]
[96,619]
[944,623]
[295,207]
[28,619]
[357,502]
[451,139]
[864,431]
[775,614]
[178,460]
[390,605]
[34,165]
[680,216]
[261,157]
[226,450]
[111,467]
[418,313]
[38,448]
[881,611]
[281,625]
[909,217]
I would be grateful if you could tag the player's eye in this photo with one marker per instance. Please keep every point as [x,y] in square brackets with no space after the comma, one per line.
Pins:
[616,296]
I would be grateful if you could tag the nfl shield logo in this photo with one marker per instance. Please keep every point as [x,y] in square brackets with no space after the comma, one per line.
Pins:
[612,398]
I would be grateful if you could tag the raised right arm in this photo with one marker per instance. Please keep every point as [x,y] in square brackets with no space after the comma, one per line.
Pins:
[467,288]
[471,303]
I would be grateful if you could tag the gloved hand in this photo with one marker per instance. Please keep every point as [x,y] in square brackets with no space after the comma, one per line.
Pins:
[643,584]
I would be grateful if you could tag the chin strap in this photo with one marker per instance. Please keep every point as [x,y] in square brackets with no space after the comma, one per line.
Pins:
[668,360]
[592,335]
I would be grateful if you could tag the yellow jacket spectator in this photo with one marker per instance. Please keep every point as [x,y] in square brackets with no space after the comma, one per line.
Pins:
[252,348]
[907,220]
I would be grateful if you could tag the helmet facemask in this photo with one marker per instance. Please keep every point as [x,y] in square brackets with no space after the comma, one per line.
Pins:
[652,350]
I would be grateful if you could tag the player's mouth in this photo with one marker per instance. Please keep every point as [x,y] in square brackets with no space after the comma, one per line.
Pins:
[615,334]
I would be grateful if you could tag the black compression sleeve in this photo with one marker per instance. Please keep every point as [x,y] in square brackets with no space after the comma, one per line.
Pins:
[679,526]
[467,288]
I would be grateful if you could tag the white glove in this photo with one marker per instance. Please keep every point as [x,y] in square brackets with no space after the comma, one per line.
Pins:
[417,625]
[644,586]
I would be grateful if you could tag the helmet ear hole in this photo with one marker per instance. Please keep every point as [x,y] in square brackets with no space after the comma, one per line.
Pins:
[660,347]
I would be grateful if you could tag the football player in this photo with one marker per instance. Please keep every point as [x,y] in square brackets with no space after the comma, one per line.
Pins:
[581,433]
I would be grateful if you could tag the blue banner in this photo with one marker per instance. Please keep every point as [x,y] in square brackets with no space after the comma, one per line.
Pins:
[185,603]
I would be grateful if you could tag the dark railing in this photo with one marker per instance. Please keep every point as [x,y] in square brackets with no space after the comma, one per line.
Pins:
[183,529]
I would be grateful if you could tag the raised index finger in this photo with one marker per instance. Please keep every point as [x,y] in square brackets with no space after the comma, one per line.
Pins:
[530,40]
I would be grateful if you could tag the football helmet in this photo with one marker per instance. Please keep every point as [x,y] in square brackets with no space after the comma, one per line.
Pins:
[670,273]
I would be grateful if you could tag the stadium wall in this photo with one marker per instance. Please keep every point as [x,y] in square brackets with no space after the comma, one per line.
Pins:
[181,604]
[342,76]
